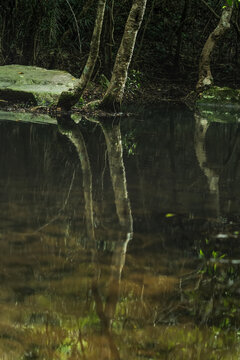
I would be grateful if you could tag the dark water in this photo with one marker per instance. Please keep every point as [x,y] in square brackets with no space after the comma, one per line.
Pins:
[120,241]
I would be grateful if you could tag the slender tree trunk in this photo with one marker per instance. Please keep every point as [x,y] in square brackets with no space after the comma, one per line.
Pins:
[109,40]
[113,97]
[180,34]
[205,76]
[71,97]
[2,31]
[144,30]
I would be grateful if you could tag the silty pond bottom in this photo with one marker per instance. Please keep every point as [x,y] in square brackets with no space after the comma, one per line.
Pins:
[120,240]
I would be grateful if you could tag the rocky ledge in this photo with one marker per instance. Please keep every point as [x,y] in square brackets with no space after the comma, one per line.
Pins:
[33,85]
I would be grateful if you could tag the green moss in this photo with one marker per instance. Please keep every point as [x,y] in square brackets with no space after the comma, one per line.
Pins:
[220,115]
[220,96]
[27,117]
[33,84]
[220,104]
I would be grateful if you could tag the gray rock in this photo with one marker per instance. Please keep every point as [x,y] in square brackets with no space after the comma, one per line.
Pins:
[33,85]
[27,117]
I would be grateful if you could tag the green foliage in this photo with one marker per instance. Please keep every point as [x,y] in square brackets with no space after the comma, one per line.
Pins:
[104,82]
[57,34]
[213,300]
[211,258]
[37,32]
[129,143]
[133,81]
[230,3]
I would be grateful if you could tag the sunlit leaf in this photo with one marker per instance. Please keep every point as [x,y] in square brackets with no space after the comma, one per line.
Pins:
[201,253]
[214,254]
[168,215]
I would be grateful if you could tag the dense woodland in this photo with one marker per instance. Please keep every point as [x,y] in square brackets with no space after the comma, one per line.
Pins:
[56,34]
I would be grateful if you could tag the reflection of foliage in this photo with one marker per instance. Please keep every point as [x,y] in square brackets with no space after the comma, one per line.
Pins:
[70,340]
[181,342]
[129,142]
[213,300]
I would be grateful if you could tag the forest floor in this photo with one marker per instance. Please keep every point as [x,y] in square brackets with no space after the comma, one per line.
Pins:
[150,91]
[165,87]
[147,93]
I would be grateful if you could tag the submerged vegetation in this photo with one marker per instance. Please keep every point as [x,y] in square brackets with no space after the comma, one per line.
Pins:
[101,258]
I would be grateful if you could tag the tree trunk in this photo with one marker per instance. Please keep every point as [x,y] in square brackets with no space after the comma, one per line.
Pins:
[108,40]
[180,35]
[69,98]
[113,97]
[205,78]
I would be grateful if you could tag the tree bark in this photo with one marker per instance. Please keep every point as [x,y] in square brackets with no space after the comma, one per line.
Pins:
[69,98]
[108,40]
[113,98]
[180,34]
[205,78]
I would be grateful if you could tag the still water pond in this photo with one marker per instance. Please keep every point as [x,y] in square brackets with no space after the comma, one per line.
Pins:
[120,240]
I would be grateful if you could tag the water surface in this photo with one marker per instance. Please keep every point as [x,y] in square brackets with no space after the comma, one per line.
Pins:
[120,240]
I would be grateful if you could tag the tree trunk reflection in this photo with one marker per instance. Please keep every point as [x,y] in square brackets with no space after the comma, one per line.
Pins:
[74,134]
[201,127]
[105,312]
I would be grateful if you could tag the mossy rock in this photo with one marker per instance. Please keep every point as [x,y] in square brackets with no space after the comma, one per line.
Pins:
[216,97]
[219,104]
[220,115]
[33,85]
[27,117]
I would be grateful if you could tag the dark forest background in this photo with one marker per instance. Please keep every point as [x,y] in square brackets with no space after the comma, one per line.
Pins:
[56,34]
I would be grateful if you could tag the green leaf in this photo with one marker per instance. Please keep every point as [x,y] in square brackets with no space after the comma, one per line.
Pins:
[169,215]
[214,254]
[201,254]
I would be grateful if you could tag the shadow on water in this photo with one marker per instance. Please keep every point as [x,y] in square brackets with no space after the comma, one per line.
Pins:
[119,238]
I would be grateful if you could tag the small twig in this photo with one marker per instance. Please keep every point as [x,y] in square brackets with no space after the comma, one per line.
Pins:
[103,172]
[113,23]
[211,9]
[60,211]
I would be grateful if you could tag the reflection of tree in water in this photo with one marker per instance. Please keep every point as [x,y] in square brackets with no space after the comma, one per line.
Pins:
[203,296]
[112,134]
[201,127]
[160,307]
[73,132]
[209,294]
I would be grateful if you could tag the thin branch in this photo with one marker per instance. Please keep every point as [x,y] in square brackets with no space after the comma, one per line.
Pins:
[59,212]
[233,22]
[211,9]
